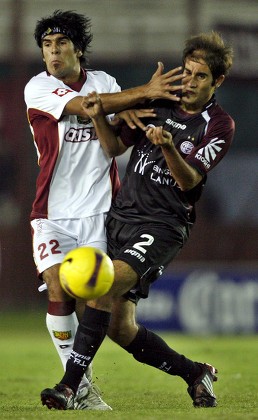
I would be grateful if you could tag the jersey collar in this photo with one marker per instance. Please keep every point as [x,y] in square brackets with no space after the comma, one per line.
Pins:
[78,85]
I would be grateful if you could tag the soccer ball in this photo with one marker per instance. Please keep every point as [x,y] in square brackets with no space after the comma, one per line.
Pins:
[86,273]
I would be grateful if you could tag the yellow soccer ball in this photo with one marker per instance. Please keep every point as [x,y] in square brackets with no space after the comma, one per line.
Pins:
[86,273]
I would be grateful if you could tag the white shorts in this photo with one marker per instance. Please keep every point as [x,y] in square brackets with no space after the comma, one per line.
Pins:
[52,239]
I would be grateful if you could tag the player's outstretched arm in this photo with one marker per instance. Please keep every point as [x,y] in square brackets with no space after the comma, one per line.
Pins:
[161,86]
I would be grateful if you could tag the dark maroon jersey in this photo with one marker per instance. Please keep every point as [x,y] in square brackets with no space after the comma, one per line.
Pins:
[148,191]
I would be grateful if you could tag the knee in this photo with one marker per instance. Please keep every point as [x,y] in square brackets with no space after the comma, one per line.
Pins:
[122,334]
[115,333]
[125,279]
[55,291]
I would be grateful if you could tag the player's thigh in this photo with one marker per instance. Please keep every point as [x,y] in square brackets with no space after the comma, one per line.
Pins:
[125,278]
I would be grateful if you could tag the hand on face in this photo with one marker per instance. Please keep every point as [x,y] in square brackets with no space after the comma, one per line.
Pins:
[162,85]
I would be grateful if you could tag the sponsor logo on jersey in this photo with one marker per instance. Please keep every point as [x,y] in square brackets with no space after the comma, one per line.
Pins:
[142,162]
[162,176]
[61,91]
[209,153]
[186,147]
[175,124]
[79,135]
[62,335]
[159,175]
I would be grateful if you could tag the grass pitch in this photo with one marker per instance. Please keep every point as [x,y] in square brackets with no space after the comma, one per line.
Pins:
[29,363]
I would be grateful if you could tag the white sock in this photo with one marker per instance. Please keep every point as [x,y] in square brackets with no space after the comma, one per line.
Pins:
[62,330]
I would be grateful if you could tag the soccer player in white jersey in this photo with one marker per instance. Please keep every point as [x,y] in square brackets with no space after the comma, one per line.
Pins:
[151,218]
[77,178]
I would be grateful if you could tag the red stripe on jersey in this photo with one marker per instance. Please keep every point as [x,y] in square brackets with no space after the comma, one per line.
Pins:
[115,180]
[46,138]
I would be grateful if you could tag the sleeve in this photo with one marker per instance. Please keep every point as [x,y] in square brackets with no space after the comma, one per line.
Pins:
[113,86]
[214,145]
[102,82]
[47,96]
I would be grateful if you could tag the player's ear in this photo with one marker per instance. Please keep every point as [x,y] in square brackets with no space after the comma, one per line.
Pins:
[79,53]
[219,81]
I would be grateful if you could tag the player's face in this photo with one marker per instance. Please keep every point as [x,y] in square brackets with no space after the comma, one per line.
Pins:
[61,59]
[198,85]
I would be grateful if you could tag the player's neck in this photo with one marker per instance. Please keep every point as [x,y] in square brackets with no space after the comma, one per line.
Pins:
[79,83]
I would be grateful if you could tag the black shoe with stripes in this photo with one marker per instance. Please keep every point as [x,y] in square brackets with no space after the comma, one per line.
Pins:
[201,391]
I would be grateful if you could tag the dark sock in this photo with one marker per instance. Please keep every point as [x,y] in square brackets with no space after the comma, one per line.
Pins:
[90,334]
[149,348]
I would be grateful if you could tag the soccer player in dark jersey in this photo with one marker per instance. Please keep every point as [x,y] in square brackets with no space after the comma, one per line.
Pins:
[151,218]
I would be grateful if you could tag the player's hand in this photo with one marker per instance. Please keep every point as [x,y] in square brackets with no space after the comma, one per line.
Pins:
[159,136]
[92,105]
[164,85]
[132,117]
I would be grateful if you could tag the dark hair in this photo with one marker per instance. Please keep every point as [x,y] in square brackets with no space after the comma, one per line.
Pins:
[77,27]
[211,48]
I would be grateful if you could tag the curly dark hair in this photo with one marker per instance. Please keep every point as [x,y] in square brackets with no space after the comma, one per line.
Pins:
[211,48]
[74,25]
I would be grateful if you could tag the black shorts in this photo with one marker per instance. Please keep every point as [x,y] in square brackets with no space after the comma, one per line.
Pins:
[148,248]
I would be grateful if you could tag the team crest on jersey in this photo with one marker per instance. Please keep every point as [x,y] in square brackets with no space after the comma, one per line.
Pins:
[61,91]
[186,147]
[83,120]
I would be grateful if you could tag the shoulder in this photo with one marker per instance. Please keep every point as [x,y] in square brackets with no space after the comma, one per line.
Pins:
[40,82]
[39,78]
[100,74]
[102,79]
[216,111]
[220,125]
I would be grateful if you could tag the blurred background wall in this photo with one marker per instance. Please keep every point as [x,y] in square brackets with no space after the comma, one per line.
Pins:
[130,36]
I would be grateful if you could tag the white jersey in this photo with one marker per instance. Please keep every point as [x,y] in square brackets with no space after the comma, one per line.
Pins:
[75,178]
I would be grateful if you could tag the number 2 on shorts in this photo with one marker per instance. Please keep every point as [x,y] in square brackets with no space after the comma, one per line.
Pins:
[140,245]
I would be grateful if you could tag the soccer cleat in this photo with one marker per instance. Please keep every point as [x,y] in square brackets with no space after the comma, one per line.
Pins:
[201,391]
[89,399]
[61,397]
[89,373]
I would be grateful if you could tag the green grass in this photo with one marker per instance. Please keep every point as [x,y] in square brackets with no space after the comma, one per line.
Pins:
[29,363]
